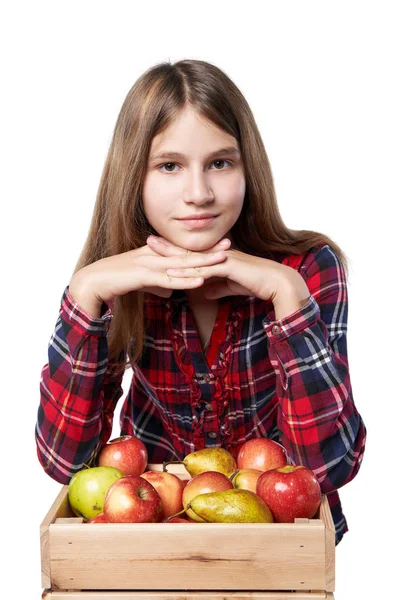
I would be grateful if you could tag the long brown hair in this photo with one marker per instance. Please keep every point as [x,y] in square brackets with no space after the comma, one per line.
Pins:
[118,222]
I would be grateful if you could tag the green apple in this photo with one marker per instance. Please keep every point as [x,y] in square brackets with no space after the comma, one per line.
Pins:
[88,488]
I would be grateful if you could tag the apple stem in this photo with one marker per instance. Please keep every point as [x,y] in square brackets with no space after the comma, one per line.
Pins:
[85,465]
[171,462]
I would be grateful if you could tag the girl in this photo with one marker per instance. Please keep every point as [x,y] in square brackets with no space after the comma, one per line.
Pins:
[234,325]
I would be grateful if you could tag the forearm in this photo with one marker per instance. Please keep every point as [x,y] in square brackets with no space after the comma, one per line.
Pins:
[77,393]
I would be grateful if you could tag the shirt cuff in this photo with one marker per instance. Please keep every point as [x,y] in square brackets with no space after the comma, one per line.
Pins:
[78,317]
[278,330]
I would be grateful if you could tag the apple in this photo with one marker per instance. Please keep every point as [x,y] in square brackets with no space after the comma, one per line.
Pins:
[246,479]
[177,520]
[261,454]
[87,490]
[100,518]
[132,499]
[209,481]
[169,488]
[127,453]
[290,492]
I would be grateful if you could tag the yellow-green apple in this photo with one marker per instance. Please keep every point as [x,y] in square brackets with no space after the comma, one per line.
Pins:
[133,500]
[290,492]
[127,453]
[169,488]
[209,481]
[261,454]
[246,479]
[87,490]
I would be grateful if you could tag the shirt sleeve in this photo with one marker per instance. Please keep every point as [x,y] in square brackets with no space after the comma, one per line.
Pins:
[319,423]
[79,389]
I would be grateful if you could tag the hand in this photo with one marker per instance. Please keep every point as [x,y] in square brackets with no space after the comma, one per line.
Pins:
[143,269]
[245,274]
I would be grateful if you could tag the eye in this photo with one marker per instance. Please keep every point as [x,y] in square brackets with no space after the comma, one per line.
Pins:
[220,160]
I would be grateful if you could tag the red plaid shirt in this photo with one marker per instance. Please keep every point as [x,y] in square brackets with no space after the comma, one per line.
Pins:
[285,379]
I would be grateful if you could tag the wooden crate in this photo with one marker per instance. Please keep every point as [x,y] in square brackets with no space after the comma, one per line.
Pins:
[205,561]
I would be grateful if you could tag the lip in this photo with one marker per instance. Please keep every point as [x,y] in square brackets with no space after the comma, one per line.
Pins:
[197,223]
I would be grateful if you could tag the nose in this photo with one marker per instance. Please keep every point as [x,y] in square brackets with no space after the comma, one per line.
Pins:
[197,189]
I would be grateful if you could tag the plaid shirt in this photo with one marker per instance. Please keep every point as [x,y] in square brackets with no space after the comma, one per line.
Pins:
[285,379]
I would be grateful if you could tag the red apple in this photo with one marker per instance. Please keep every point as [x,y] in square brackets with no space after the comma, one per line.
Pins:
[290,492]
[170,490]
[261,454]
[209,481]
[134,500]
[127,453]
[99,519]
[246,479]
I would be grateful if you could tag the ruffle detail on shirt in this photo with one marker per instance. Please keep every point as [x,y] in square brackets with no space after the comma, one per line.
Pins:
[221,394]
[182,357]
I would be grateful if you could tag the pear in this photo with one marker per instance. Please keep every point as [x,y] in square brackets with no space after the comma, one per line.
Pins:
[231,506]
[210,459]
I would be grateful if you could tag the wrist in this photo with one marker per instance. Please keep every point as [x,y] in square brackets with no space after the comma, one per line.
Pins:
[84,296]
[291,295]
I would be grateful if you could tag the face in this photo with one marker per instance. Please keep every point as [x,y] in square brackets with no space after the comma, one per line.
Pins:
[199,182]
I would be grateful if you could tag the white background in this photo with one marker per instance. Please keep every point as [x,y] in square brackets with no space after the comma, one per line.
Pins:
[321,78]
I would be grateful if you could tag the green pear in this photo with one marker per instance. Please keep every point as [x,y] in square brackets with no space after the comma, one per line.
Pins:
[88,488]
[210,459]
[231,506]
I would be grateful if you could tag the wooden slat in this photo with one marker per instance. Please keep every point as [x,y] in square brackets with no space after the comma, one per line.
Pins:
[180,595]
[274,556]
[330,558]
[59,508]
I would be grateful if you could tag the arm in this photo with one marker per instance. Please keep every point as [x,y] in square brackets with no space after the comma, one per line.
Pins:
[79,390]
[319,423]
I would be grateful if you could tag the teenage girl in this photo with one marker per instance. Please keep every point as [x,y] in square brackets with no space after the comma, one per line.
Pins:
[233,324]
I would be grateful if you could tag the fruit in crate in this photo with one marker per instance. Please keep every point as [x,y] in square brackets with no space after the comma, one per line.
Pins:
[231,506]
[169,488]
[246,479]
[290,492]
[127,453]
[261,454]
[87,490]
[208,459]
[210,481]
[100,518]
[132,499]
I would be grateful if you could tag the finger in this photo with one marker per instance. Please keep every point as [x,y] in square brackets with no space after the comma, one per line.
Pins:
[198,271]
[166,248]
[194,261]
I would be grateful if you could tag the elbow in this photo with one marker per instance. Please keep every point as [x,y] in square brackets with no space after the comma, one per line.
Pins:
[348,466]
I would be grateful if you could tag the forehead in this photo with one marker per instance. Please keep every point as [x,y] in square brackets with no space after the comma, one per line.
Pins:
[189,135]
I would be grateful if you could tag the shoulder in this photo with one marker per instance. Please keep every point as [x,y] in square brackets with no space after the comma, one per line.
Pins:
[320,258]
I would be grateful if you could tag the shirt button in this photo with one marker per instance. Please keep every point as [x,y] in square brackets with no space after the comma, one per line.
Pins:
[276,329]
[207,378]
[212,435]
[209,407]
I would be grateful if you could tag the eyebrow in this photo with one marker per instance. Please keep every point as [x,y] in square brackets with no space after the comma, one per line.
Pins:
[231,150]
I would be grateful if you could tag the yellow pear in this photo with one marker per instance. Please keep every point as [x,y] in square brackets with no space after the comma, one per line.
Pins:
[210,459]
[231,506]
